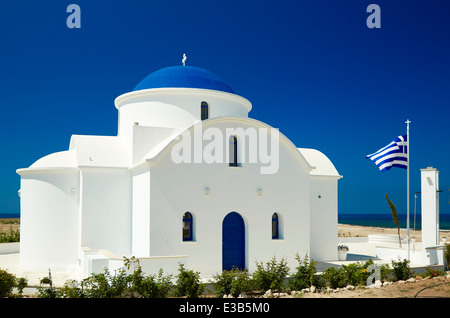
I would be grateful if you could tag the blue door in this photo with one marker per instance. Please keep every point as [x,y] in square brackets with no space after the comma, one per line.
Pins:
[233,242]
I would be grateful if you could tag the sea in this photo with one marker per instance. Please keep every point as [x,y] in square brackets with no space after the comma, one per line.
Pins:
[9,215]
[385,220]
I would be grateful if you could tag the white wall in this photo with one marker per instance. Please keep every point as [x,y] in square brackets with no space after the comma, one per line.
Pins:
[425,257]
[49,226]
[141,212]
[178,188]
[324,222]
[106,205]
[153,114]
[430,206]
[175,107]
[145,139]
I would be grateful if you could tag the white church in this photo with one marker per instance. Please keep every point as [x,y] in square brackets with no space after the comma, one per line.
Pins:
[189,178]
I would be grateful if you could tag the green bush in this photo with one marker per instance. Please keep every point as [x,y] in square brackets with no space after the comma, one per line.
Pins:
[432,272]
[222,283]
[242,283]
[232,282]
[8,282]
[12,236]
[164,285]
[352,274]
[401,270]
[335,277]
[147,286]
[385,273]
[188,283]
[105,285]
[356,273]
[272,276]
[48,292]
[98,285]
[305,275]
[72,289]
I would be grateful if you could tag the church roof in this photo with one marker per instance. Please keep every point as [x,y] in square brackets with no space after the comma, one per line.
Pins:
[323,165]
[183,76]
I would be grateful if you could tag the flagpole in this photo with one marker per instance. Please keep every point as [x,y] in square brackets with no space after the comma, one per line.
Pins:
[407,185]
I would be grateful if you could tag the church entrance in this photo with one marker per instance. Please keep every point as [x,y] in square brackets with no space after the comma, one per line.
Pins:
[233,242]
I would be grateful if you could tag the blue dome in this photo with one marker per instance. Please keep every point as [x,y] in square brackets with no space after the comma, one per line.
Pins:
[183,76]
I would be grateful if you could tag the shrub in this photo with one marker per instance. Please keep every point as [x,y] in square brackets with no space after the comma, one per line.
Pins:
[97,285]
[232,282]
[21,283]
[50,291]
[352,274]
[384,272]
[222,283]
[305,275]
[153,286]
[335,277]
[105,285]
[188,283]
[241,283]
[271,277]
[7,283]
[356,273]
[401,270]
[12,236]
[433,272]
[147,286]
[72,289]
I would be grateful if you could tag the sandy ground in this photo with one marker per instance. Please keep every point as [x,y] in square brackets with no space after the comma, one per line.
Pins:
[6,224]
[438,287]
[345,230]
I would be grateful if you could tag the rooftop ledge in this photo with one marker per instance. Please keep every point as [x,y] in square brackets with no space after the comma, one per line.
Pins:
[128,97]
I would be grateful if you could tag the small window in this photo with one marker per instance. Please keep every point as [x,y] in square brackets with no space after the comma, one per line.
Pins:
[233,151]
[275,227]
[204,111]
[187,227]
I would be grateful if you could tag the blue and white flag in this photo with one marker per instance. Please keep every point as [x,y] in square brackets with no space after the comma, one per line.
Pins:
[393,155]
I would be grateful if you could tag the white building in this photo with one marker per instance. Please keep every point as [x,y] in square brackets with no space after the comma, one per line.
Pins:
[129,195]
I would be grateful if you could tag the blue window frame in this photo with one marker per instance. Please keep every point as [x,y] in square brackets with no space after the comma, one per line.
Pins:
[204,113]
[275,226]
[187,226]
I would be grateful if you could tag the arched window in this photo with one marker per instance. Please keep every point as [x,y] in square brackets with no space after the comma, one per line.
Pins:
[204,110]
[233,151]
[187,227]
[275,227]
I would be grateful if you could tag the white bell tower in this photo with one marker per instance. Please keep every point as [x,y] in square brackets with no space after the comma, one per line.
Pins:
[430,206]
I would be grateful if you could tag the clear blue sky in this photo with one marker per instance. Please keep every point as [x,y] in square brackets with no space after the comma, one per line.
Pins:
[313,69]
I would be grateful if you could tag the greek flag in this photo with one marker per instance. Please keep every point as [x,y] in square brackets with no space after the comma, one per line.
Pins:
[393,155]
